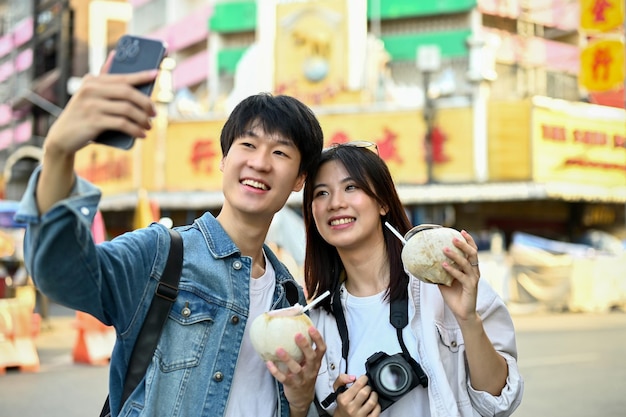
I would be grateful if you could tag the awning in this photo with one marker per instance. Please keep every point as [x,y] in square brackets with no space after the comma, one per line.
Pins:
[409,194]
[509,191]
[166,200]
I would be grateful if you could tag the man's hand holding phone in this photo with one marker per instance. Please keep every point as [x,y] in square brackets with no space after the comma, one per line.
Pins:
[103,102]
[132,54]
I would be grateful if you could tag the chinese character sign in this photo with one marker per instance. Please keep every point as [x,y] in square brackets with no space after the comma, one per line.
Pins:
[602,65]
[601,15]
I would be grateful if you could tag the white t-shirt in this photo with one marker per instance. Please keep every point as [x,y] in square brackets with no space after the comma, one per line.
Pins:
[370,331]
[253,392]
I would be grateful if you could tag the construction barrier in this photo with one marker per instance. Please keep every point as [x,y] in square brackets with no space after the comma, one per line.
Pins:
[19,326]
[94,342]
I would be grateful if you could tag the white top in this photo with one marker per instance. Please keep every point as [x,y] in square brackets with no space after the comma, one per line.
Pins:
[441,353]
[253,392]
[370,331]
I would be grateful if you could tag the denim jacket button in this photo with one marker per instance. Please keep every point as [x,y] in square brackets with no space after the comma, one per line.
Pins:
[218,376]
[453,343]
[234,319]
[332,366]
[84,211]
[237,265]
[186,312]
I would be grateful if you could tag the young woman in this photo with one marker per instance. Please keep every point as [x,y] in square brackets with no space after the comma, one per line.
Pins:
[450,351]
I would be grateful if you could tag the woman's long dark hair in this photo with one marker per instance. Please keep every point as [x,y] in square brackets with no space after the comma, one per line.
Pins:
[322,264]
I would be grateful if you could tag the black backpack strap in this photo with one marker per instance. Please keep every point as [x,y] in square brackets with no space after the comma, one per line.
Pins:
[291,292]
[164,296]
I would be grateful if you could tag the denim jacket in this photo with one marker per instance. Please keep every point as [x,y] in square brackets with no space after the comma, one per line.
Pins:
[194,363]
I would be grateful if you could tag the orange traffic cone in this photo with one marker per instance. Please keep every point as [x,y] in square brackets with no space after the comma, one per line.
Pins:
[94,342]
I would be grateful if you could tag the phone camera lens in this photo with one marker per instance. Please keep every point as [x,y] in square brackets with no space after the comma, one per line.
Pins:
[127,49]
[132,50]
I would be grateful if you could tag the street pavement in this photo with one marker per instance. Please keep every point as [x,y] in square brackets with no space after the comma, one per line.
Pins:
[573,366]
[60,387]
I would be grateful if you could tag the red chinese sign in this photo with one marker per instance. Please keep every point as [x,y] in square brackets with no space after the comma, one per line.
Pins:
[602,65]
[386,143]
[202,155]
[601,15]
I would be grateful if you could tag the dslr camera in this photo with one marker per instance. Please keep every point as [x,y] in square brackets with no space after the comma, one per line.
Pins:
[392,376]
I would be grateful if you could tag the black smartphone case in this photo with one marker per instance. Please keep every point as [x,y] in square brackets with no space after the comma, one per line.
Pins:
[132,54]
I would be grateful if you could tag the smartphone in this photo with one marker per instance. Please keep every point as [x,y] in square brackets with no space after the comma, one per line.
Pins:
[132,54]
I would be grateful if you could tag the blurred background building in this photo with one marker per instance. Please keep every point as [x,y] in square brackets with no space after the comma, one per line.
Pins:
[497,116]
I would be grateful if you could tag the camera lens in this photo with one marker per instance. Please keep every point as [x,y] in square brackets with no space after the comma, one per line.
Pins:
[127,49]
[132,50]
[393,378]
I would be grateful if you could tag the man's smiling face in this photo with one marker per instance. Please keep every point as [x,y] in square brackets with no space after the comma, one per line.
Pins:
[260,172]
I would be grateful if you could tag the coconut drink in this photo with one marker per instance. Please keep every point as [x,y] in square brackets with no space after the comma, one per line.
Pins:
[278,328]
[423,255]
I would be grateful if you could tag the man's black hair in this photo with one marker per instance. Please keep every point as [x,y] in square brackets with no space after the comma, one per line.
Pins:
[279,114]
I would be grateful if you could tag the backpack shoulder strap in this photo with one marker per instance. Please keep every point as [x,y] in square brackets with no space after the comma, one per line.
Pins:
[164,296]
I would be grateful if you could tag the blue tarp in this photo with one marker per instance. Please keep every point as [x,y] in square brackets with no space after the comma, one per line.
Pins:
[553,246]
[7,212]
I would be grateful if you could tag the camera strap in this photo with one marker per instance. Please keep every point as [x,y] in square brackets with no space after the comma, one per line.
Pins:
[340,318]
[399,319]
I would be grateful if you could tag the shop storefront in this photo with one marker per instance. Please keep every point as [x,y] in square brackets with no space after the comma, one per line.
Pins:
[554,166]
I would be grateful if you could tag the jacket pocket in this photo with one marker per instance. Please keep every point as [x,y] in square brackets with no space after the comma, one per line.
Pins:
[186,332]
[450,336]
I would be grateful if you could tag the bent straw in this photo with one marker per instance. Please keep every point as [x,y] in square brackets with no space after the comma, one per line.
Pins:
[317,300]
[395,232]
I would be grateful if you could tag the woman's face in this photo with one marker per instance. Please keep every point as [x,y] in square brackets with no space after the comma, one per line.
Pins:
[345,216]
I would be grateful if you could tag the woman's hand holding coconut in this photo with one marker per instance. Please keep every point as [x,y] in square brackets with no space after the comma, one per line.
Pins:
[461,295]
[449,258]
[457,274]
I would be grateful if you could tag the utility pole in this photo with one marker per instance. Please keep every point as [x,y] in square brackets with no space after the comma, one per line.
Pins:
[428,62]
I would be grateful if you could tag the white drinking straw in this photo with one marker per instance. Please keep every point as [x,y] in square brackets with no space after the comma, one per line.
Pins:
[395,232]
[317,300]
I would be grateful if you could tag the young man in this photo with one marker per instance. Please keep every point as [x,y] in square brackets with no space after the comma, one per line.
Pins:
[204,363]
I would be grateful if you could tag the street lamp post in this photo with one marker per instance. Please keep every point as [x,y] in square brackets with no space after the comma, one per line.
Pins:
[481,72]
[428,62]
[429,120]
